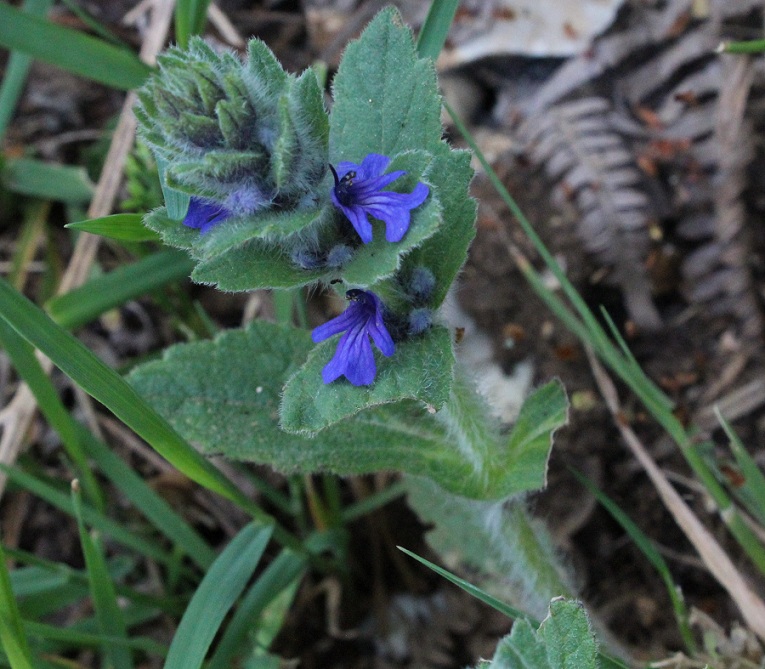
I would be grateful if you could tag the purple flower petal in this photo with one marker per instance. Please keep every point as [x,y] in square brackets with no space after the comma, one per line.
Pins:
[360,368]
[374,165]
[354,357]
[358,218]
[358,194]
[204,214]
[362,189]
[382,338]
[344,167]
[339,324]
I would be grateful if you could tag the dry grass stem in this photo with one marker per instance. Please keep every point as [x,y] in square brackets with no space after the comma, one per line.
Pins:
[714,557]
[15,418]
[224,26]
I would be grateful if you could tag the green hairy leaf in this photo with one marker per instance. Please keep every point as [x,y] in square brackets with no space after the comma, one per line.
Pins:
[224,397]
[389,104]
[386,98]
[253,265]
[420,369]
[564,640]
[510,554]
[235,232]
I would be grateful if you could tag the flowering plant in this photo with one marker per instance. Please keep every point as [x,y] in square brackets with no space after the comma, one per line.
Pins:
[266,189]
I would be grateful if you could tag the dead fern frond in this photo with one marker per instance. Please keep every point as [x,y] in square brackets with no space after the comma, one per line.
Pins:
[717,274]
[648,27]
[657,73]
[591,165]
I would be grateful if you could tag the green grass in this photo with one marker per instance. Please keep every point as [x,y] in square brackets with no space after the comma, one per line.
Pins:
[70,50]
[652,554]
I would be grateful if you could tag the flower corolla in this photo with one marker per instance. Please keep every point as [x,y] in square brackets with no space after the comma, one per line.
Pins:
[204,214]
[354,357]
[358,193]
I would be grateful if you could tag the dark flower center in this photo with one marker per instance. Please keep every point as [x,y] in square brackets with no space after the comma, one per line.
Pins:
[356,295]
[343,187]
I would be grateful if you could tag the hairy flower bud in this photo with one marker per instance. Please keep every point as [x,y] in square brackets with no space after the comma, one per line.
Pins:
[246,135]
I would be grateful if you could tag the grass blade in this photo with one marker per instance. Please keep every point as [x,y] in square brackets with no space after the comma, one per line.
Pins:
[90,22]
[28,367]
[76,439]
[16,70]
[75,639]
[12,634]
[55,575]
[105,385]
[27,581]
[285,570]
[46,181]
[216,594]
[123,227]
[606,661]
[13,646]
[62,501]
[143,497]
[89,301]
[375,501]
[752,492]
[70,49]
[190,19]
[33,228]
[436,27]
[108,612]
[472,590]
[653,556]
[755,46]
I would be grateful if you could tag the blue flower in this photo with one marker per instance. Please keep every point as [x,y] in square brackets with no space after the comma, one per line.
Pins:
[354,357]
[204,214]
[358,193]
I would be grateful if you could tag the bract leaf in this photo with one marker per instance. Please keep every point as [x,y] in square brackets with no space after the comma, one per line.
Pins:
[380,258]
[420,369]
[250,266]
[172,232]
[235,231]
[445,252]
[240,254]
[386,97]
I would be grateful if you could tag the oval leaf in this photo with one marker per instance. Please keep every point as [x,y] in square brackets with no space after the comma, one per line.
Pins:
[224,396]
